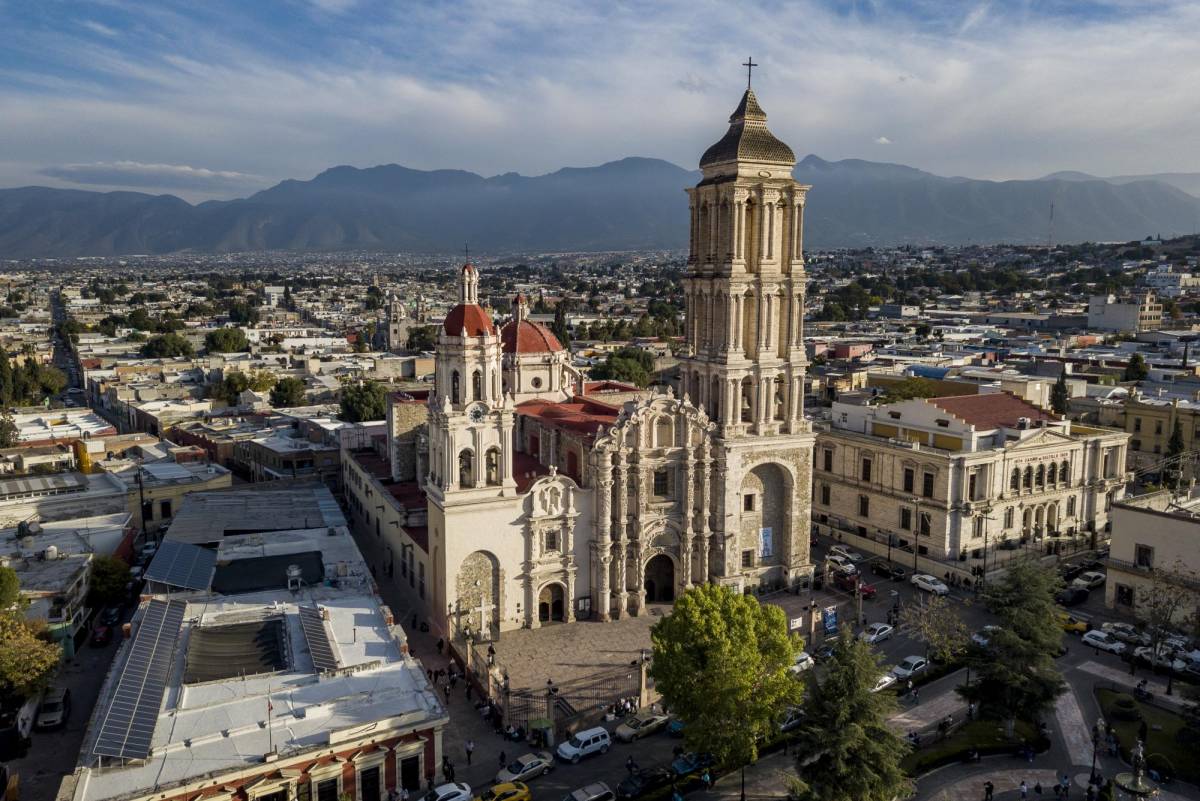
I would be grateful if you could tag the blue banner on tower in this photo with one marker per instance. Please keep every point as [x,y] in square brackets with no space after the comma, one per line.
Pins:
[829,619]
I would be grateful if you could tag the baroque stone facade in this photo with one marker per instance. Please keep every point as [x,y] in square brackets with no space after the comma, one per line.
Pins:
[552,499]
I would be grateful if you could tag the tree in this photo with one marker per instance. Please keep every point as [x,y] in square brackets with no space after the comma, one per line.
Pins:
[632,365]
[1169,602]
[362,402]
[1135,369]
[287,392]
[231,387]
[10,588]
[846,751]
[1060,399]
[26,662]
[936,622]
[559,327]
[167,346]
[422,337]
[721,662]
[227,340]
[9,433]
[1172,467]
[908,388]
[1017,674]
[108,580]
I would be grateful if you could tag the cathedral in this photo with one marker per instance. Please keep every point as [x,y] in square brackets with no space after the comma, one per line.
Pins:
[550,498]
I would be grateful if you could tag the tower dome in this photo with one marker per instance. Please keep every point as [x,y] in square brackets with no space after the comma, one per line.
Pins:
[468,316]
[748,138]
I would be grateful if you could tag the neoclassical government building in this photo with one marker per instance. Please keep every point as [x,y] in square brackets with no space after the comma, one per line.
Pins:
[545,497]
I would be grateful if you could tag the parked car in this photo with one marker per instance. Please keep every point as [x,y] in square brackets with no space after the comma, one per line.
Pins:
[584,743]
[884,681]
[55,708]
[875,633]
[842,564]
[1126,633]
[526,767]
[804,661]
[1161,659]
[506,791]
[1072,625]
[1090,580]
[1104,641]
[909,667]
[110,616]
[792,718]
[882,567]
[640,725]
[842,550]
[452,791]
[592,792]
[824,652]
[1069,572]
[101,635]
[848,582]
[1072,596]
[675,727]
[983,637]
[689,763]
[926,582]
[643,782]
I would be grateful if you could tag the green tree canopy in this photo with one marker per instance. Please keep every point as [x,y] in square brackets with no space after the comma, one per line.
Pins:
[27,662]
[632,365]
[846,751]
[362,402]
[1060,399]
[232,385]
[109,577]
[9,433]
[721,662]
[1017,674]
[908,388]
[227,340]
[10,588]
[935,621]
[422,337]
[287,392]
[167,346]
[1135,369]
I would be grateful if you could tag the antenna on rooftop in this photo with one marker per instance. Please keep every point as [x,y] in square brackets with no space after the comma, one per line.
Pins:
[1050,232]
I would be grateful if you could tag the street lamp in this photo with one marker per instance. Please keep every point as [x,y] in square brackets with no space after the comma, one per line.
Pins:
[916,530]
[985,516]
[1097,730]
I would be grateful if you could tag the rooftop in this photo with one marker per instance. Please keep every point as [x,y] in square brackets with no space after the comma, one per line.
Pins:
[210,516]
[991,411]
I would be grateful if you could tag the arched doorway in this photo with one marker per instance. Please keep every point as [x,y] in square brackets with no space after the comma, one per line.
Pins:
[660,580]
[551,604]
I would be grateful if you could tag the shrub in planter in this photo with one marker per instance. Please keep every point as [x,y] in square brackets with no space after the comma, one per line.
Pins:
[1125,708]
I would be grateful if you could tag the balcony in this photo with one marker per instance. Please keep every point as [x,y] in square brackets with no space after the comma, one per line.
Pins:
[1168,576]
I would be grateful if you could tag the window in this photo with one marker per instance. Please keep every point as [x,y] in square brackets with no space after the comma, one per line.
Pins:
[1158,426]
[476,385]
[927,485]
[1136,444]
[824,494]
[1052,474]
[551,541]
[164,508]
[978,527]
[972,483]
[748,502]
[1039,477]
[1124,595]
[864,506]
[148,510]
[1008,517]
[1143,556]
[910,478]
[1064,472]
[926,523]
[906,518]
[748,558]
[1027,479]
[454,388]
[865,474]
[662,483]
[828,460]
[1015,483]
[1071,506]
[1137,424]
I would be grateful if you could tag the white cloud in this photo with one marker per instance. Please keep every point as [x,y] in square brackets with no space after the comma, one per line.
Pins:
[137,174]
[882,140]
[100,28]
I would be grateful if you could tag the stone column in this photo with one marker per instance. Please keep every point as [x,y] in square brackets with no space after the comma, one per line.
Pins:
[639,590]
[689,519]
[795,243]
[739,230]
[705,510]
[568,542]
[693,217]
[621,555]
[740,323]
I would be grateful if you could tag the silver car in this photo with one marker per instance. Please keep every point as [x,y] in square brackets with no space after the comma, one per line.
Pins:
[526,767]
[54,709]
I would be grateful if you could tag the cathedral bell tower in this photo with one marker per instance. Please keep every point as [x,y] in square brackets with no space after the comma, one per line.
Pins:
[470,419]
[745,364]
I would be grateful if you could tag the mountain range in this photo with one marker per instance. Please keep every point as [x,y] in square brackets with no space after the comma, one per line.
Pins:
[634,203]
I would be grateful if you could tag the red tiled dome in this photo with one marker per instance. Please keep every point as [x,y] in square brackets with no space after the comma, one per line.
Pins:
[471,317]
[523,336]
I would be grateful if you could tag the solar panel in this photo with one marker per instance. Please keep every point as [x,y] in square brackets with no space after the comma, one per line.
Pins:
[319,646]
[128,724]
[182,564]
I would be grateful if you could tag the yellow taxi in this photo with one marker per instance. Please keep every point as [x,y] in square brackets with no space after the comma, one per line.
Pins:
[506,791]
[1073,624]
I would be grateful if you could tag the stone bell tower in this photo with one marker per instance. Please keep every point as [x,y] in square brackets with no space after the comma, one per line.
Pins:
[744,291]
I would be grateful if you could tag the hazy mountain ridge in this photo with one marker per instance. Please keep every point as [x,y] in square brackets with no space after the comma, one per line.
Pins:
[634,203]
[1188,182]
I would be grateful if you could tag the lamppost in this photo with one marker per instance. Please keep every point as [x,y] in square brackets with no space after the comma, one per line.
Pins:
[985,516]
[916,530]
[1097,730]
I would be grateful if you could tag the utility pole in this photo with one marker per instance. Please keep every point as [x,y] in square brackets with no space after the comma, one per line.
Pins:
[916,530]
[142,501]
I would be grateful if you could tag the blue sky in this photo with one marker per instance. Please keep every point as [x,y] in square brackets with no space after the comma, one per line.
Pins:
[218,99]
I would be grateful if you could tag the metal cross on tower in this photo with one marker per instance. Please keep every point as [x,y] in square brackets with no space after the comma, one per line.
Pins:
[749,65]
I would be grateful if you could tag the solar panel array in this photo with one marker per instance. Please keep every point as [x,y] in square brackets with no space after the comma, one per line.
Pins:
[128,724]
[182,564]
[319,646]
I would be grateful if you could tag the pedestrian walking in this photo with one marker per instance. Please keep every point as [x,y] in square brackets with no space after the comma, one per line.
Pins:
[1024,790]
[1037,790]
[503,758]
[630,766]
[1065,783]
[916,696]
[469,748]
[403,794]
[706,777]
[446,692]
[1057,790]
[491,652]
[971,711]
[988,788]
[440,645]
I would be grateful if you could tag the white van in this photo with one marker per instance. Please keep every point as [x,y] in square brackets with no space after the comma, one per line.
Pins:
[584,743]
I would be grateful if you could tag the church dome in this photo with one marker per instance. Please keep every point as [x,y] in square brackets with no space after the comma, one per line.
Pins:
[469,317]
[748,138]
[525,336]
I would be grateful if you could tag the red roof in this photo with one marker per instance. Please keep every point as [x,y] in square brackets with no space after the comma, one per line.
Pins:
[526,470]
[523,336]
[470,317]
[580,415]
[991,411]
